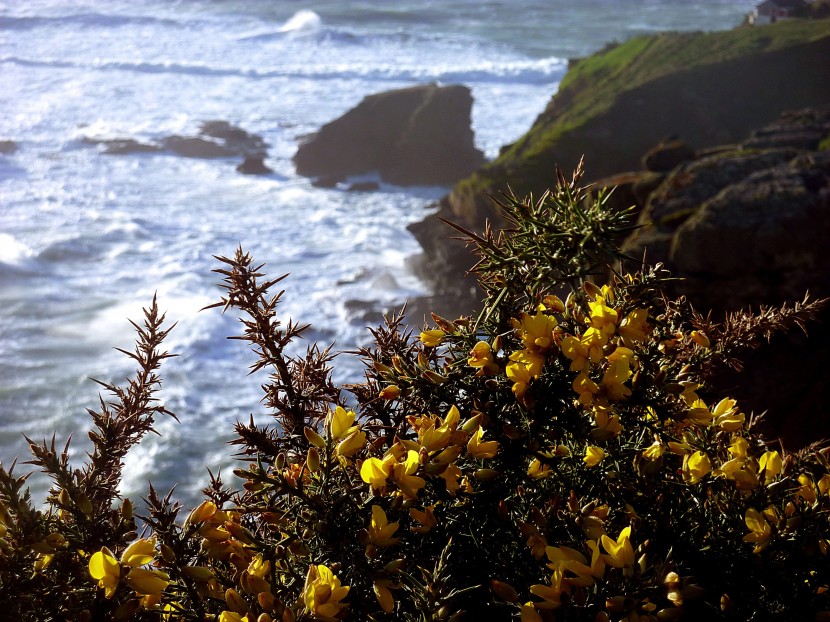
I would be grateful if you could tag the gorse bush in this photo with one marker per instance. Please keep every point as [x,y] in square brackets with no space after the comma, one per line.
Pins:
[559,456]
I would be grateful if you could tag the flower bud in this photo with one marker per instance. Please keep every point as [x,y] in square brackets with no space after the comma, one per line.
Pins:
[313,459]
[505,591]
[314,438]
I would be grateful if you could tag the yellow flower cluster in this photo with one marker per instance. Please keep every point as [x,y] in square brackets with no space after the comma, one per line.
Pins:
[110,572]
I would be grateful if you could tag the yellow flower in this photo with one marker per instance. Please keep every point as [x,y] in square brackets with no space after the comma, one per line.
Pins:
[824,484]
[375,471]
[574,565]
[529,613]
[654,451]
[380,529]
[538,469]
[739,447]
[451,475]
[477,449]
[43,561]
[481,356]
[585,388]
[602,317]
[770,465]
[384,596]
[535,331]
[532,362]
[203,512]
[390,393]
[341,423]
[322,593]
[634,326]
[551,595]
[760,530]
[403,475]
[426,519]
[696,466]
[259,567]
[612,380]
[432,338]
[520,376]
[593,455]
[139,552]
[727,416]
[807,491]
[434,433]
[700,338]
[608,425]
[736,470]
[352,444]
[620,552]
[147,582]
[106,570]
[576,351]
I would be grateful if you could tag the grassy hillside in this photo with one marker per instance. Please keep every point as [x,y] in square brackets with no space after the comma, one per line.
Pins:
[710,88]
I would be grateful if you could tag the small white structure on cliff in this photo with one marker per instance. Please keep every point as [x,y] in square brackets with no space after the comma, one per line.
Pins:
[771,11]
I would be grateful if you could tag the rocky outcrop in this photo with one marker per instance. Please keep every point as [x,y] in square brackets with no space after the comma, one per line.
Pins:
[254,165]
[7,147]
[414,136]
[748,225]
[216,139]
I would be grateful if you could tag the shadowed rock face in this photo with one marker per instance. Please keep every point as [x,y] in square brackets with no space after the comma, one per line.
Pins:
[414,136]
[750,226]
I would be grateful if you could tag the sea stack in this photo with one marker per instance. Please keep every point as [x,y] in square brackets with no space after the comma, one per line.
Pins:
[414,136]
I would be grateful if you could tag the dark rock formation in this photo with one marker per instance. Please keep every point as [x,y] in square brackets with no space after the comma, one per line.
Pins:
[7,146]
[363,186]
[234,138]
[254,165]
[120,146]
[667,155]
[414,136]
[216,139]
[196,147]
[329,181]
[746,226]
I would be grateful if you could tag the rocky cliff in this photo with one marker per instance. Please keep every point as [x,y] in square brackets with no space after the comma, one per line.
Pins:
[708,88]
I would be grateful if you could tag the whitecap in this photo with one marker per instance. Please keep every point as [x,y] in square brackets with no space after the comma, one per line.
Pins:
[15,255]
[303,21]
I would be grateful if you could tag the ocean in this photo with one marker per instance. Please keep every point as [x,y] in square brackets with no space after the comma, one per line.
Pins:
[87,238]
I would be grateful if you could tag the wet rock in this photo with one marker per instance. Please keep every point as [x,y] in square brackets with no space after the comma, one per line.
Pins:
[363,186]
[328,181]
[414,136]
[121,146]
[234,138]
[194,147]
[254,165]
